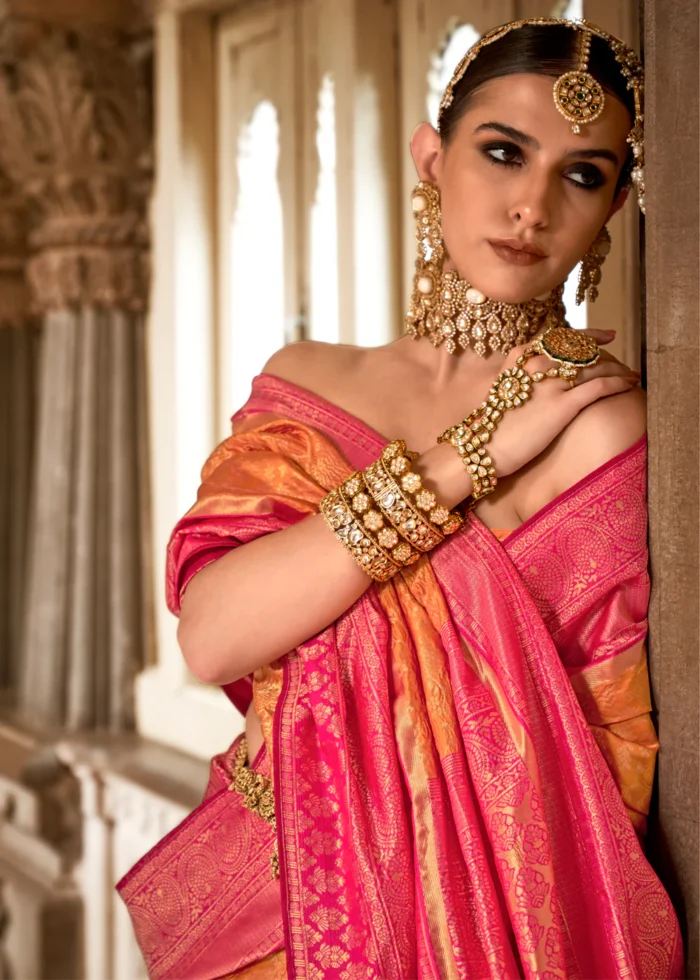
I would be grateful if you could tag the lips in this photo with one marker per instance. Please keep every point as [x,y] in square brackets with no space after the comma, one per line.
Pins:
[516,252]
[519,246]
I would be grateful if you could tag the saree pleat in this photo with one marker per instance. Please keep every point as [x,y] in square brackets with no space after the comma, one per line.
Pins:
[458,760]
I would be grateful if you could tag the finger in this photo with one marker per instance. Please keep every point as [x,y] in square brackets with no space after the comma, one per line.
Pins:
[606,369]
[591,391]
[600,336]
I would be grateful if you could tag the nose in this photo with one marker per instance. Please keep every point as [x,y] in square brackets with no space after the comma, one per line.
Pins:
[531,207]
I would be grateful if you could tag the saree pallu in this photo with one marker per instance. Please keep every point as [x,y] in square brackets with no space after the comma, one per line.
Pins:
[461,761]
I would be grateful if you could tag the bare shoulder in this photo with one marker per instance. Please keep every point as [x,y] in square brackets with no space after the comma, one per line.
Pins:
[315,365]
[603,430]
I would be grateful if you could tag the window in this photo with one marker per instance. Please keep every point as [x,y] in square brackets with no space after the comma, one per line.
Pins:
[324,223]
[444,63]
[573,10]
[256,270]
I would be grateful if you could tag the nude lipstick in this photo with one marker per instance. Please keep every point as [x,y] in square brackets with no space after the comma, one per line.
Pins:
[516,252]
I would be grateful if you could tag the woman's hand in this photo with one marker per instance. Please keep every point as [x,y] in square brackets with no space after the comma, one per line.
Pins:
[526,431]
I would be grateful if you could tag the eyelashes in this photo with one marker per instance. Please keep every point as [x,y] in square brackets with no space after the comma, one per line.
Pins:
[592,176]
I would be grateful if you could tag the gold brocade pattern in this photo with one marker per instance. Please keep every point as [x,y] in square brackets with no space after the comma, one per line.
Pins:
[428,741]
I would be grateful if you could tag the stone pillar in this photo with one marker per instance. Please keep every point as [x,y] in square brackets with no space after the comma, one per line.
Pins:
[18,338]
[672,315]
[76,140]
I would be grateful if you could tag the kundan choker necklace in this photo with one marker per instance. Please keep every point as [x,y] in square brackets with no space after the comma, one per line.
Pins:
[448,310]
[457,315]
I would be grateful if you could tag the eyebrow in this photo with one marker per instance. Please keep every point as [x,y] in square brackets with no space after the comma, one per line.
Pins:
[525,140]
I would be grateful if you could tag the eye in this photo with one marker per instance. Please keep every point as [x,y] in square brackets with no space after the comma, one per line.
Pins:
[586,176]
[503,154]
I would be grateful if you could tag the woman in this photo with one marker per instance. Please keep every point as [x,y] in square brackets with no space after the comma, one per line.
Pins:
[448,755]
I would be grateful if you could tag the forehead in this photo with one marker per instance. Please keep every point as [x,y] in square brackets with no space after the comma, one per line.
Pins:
[526,102]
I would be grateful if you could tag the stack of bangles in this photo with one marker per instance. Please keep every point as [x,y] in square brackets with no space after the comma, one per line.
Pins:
[384,516]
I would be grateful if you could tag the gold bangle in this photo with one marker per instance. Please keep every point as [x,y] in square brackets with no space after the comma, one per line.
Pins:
[358,498]
[394,498]
[356,539]
[405,521]
[388,498]
[396,460]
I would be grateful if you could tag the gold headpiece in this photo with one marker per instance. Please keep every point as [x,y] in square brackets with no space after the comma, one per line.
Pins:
[577,95]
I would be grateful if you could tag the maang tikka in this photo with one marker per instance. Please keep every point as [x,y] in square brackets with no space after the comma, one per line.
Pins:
[577,94]
[448,310]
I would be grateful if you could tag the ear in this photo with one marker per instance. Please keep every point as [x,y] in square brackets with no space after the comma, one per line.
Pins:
[426,150]
[618,203]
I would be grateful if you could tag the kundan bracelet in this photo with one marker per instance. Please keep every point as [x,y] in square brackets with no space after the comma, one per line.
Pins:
[385,517]
[571,350]
[356,539]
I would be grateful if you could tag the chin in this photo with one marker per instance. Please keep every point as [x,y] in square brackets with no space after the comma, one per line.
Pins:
[516,286]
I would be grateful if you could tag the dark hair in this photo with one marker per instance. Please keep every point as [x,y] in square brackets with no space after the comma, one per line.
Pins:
[539,50]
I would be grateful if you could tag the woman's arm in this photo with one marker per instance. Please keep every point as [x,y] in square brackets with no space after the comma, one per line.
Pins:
[267,597]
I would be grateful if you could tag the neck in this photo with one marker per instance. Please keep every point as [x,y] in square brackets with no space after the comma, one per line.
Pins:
[443,371]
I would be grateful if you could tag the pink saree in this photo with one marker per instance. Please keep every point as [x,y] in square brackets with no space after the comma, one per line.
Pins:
[462,762]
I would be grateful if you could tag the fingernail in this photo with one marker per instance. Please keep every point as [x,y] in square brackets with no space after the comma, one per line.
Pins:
[611,333]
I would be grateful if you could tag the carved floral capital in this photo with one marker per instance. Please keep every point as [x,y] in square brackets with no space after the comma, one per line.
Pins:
[75,110]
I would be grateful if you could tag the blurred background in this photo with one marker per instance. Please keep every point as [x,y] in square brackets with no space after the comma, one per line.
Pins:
[185,186]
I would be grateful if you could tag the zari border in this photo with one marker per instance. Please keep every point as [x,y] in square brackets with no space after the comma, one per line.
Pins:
[609,818]
[287,816]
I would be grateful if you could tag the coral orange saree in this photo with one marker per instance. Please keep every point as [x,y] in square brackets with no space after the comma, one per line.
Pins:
[462,762]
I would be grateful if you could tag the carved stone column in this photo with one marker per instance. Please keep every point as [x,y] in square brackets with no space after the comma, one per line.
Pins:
[17,368]
[76,139]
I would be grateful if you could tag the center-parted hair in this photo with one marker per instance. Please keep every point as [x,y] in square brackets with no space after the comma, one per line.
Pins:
[539,50]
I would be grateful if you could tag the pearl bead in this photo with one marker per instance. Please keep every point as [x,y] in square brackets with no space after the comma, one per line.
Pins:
[603,248]
[425,285]
[475,296]
[419,203]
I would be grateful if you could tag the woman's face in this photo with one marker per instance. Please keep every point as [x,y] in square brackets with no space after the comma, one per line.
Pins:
[514,171]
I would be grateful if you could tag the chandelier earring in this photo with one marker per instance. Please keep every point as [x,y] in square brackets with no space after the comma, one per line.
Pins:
[590,274]
[429,262]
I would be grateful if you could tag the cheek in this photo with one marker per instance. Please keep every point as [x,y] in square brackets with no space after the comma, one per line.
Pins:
[582,235]
[466,211]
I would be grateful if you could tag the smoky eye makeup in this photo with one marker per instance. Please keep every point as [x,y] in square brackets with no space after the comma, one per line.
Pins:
[586,175]
[503,153]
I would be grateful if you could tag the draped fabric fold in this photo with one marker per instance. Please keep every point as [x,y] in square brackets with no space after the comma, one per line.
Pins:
[455,759]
